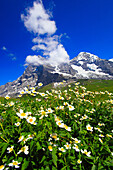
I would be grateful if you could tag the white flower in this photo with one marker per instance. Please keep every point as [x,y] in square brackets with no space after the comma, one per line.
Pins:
[101,135]
[76,148]
[68,146]
[86,152]
[24,149]
[40,84]
[100,140]
[89,128]
[98,129]
[10,149]
[17,124]
[79,161]
[22,114]
[67,128]
[112,153]
[71,107]
[7,96]
[21,138]
[60,124]
[31,119]
[14,163]
[49,110]
[76,140]
[62,149]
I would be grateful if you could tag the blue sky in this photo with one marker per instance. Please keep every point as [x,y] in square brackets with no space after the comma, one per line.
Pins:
[73,26]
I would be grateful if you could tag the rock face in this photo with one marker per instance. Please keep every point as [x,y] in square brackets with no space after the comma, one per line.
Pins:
[84,66]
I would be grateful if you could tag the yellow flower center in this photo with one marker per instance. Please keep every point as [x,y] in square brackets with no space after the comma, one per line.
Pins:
[11,149]
[76,141]
[89,128]
[23,114]
[15,163]
[86,152]
[50,147]
[2,166]
[54,136]
[43,112]
[31,120]
[62,149]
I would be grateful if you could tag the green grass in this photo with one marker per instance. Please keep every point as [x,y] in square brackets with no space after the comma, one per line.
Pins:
[64,125]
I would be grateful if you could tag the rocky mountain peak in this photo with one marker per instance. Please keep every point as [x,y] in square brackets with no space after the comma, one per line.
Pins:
[84,66]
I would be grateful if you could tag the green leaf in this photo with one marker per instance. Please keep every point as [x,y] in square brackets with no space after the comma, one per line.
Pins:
[4,148]
[43,158]
[25,164]
[64,168]
[94,167]
[53,168]
[54,156]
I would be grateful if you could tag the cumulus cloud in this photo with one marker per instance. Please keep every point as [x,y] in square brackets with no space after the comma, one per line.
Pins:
[38,21]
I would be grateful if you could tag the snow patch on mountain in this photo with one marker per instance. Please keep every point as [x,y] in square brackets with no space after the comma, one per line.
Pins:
[92,66]
[87,74]
[111,59]
[57,70]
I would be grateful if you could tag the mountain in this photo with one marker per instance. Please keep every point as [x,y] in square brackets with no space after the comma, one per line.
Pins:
[84,66]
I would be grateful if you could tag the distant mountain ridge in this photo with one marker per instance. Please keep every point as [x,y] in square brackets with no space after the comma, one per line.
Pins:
[84,66]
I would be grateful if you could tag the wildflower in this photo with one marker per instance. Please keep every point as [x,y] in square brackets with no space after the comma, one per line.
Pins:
[101,135]
[67,128]
[49,110]
[60,124]
[61,107]
[109,135]
[17,124]
[50,148]
[71,107]
[42,94]
[62,149]
[31,119]
[21,138]
[86,153]
[22,92]
[11,104]
[89,128]
[76,140]
[14,163]
[10,149]
[24,149]
[22,114]
[40,84]
[101,124]
[112,153]
[98,129]
[2,167]
[65,103]
[100,140]
[19,95]
[76,148]
[79,161]
[68,146]
[7,97]
[54,136]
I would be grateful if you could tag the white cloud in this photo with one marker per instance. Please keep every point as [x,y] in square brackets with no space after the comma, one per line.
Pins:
[38,21]
[4,48]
